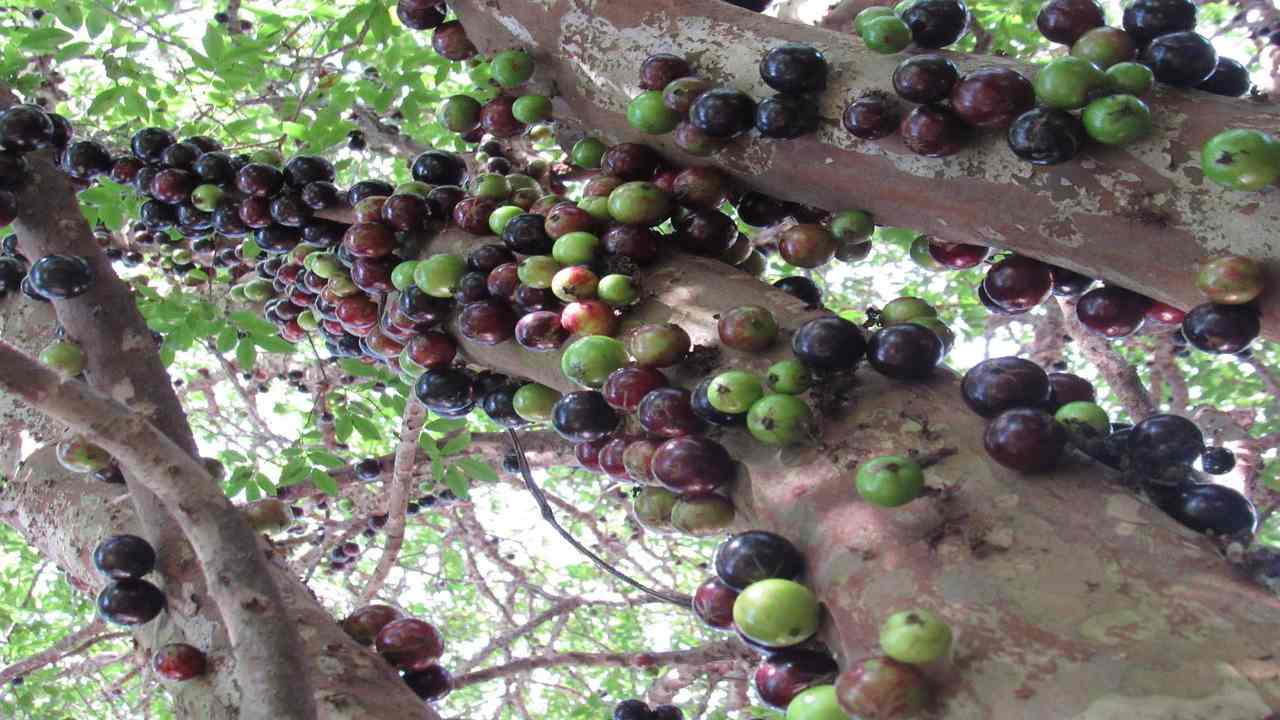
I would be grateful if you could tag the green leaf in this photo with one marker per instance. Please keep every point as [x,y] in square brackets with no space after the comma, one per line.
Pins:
[251,323]
[477,470]
[96,21]
[68,13]
[456,444]
[294,471]
[446,424]
[273,344]
[246,354]
[45,39]
[366,428]
[214,44]
[342,425]
[326,458]
[354,367]
[456,481]
[323,481]
[226,340]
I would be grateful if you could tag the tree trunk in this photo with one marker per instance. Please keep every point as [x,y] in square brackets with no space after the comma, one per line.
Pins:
[1140,216]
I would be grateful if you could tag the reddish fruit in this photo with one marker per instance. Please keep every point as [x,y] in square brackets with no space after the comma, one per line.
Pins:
[695,464]
[749,328]
[879,687]
[713,603]
[409,644]
[488,322]
[589,317]
[957,256]
[364,623]
[1018,283]
[992,97]
[667,412]
[179,661]
[1112,311]
[627,386]
[1025,439]
[934,131]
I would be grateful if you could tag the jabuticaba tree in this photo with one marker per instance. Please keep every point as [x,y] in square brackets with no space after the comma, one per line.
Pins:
[1068,594]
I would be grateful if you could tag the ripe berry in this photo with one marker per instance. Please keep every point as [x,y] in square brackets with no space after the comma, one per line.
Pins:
[1112,311]
[627,386]
[1221,329]
[1025,439]
[992,97]
[1064,21]
[925,78]
[363,624]
[722,112]
[933,131]
[905,352]
[749,328]
[794,68]
[879,687]
[1044,136]
[713,603]
[872,117]
[1229,78]
[446,391]
[430,683]
[755,555]
[487,322]
[60,277]
[1146,20]
[1018,283]
[693,464]
[661,69]
[779,678]
[666,412]
[584,416]
[130,601]
[124,556]
[178,662]
[24,128]
[409,643]
[936,23]
[829,343]
[1162,441]
[1217,460]
[786,116]
[801,288]
[1213,508]
[1181,59]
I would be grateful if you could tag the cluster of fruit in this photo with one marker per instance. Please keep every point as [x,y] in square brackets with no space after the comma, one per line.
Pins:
[1099,76]
[1035,416]
[639,710]
[756,594]
[127,599]
[409,645]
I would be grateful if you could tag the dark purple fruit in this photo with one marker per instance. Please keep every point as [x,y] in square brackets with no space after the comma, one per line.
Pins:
[367,189]
[1064,21]
[471,214]
[786,116]
[905,352]
[723,112]
[124,556]
[446,391]
[60,277]
[1068,283]
[1221,329]
[1217,460]
[694,464]
[584,416]
[795,69]
[1163,441]
[1182,59]
[302,170]
[451,41]
[713,603]
[86,160]
[757,555]
[659,70]
[526,234]
[872,117]
[925,78]
[936,23]
[957,256]
[1147,20]
[1066,387]
[934,131]
[1215,509]
[148,144]
[801,288]
[541,331]
[432,682]
[631,710]
[498,118]
[829,343]
[499,405]
[1044,136]
[437,167]
[420,15]
[626,387]
[705,231]
[1018,283]
[487,322]
[487,257]
[1112,311]
[24,128]
[130,602]
[780,677]
[258,179]
[630,162]
[667,412]
[1229,78]
[1025,439]
[992,97]
[369,469]
[760,210]
[993,386]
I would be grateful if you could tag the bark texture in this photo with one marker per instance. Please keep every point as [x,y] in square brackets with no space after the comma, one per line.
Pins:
[1140,216]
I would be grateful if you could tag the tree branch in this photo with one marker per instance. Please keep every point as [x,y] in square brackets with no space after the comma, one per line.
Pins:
[73,644]
[398,499]
[1121,376]
[721,650]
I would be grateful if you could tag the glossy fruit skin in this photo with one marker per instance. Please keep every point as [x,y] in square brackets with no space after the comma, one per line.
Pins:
[748,328]
[794,68]
[957,256]
[776,612]
[801,288]
[541,331]
[648,113]
[880,688]
[1105,47]
[1241,159]
[934,131]
[829,344]
[1018,283]
[124,556]
[1162,441]
[905,352]
[487,322]
[627,386]
[1064,21]
[130,601]
[925,78]
[431,683]
[409,643]
[60,277]
[732,392]
[1231,280]
[1146,20]
[780,420]
[886,34]
[24,128]
[630,162]
[756,555]
[722,112]
[1025,439]
[1066,83]
[1213,508]
[890,480]
[178,662]
[446,391]
[1117,119]
[871,117]
[705,231]
[589,360]
[1182,59]
[534,402]
[780,677]
[1044,136]
[667,412]
[1217,460]
[511,67]
[915,636]
[1066,388]
[936,23]
[786,117]
[807,245]
[992,97]
[713,603]
[584,416]
[1221,329]
[693,464]
[661,69]
[1229,78]
[652,508]
[1112,311]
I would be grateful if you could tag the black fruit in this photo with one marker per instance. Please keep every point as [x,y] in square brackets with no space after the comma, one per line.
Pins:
[60,276]
[723,112]
[446,391]
[925,78]
[1025,439]
[86,159]
[1218,461]
[872,117]
[905,352]
[527,235]
[1221,329]
[1045,136]
[1163,441]
[794,68]
[829,343]
[1182,59]
[993,386]
[1068,283]
[631,710]
[786,116]
[130,602]
[437,167]
[1229,78]
[936,23]
[499,405]
[760,210]
[757,555]
[148,144]
[1213,508]
[369,469]
[1147,20]
[124,556]
[584,416]
[934,131]
[802,288]
[1064,21]
[24,128]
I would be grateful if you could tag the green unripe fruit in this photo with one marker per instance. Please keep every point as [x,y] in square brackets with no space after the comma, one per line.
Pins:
[618,290]
[939,328]
[79,455]
[1117,119]
[1066,82]
[867,15]
[530,109]
[653,506]
[734,391]
[596,207]
[346,505]
[438,275]
[180,256]
[537,271]
[402,274]
[789,377]
[1131,78]
[816,703]
[1241,159]
[259,290]
[886,34]
[64,356]
[779,420]
[459,113]
[587,152]
[511,67]
[413,187]
[307,320]
[905,309]
[920,255]
[533,402]
[499,218]
[266,156]
[575,283]
[342,286]
[915,637]
[639,203]
[206,197]
[1085,417]
[702,516]
[491,186]
[589,360]
[776,612]
[1231,280]
[520,181]
[890,480]
[237,293]
[576,248]
[852,225]
[649,114]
